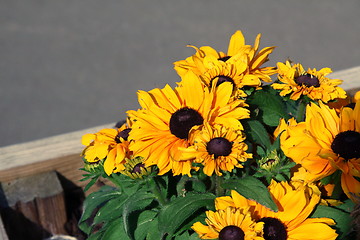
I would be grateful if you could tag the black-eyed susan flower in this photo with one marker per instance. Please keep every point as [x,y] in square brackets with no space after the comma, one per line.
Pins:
[229,224]
[237,47]
[297,82]
[217,148]
[109,144]
[327,142]
[295,202]
[167,115]
[135,168]
[234,71]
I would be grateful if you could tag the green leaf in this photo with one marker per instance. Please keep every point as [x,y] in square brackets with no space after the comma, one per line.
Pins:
[153,233]
[198,186]
[342,219]
[114,230]
[194,236]
[271,118]
[111,210]
[252,188]
[185,227]
[147,226]
[96,236]
[187,184]
[280,177]
[260,151]
[333,178]
[136,202]
[271,105]
[291,107]
[256,132]
[90,184]
[93,202]
[174,215]
[93,176]
[347,206]
[126,184]
[187,236]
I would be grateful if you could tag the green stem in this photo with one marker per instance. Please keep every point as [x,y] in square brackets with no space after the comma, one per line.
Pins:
[157,192]
[114,179]
[219,191]
[338,191]
[300,115]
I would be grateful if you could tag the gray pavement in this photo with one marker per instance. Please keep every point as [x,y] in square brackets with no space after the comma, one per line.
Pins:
[72,64]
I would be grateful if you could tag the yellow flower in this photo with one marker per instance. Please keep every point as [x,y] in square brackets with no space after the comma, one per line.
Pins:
[234,70]
[287,130]
[167,115]
[326,142]
[109,144]
[312,83]
[295,202]
[229,223]
[237,49]
[217,148]
[349,101]
[357,96]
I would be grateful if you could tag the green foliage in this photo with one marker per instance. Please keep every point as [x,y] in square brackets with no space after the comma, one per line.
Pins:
[272,163]
[145,213]
[252,188]
[147,226]
[92,204]
[173,215]
[94,172]
[256,132]
[186,184]
[136,202]
[341,215]
[268,105]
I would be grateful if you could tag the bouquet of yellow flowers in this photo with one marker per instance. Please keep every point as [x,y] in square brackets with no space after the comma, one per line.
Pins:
[235,150]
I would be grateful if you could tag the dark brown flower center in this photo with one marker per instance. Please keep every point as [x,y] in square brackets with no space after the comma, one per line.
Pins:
[137,168]
[274,229]
[347,144]
[124,134]
[224,59]
[219,147]
[307,80]
[222,79]
[183,120]
[231,233]
[351,105]
[270,161]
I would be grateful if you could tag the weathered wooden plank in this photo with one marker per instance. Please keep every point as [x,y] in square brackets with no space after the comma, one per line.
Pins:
[60,153]
[40,198]
[351,79]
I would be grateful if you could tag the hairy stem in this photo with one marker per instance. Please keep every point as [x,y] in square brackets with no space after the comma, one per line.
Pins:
[300,115]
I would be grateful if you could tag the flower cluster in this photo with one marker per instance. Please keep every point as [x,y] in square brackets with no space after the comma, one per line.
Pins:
[236,150]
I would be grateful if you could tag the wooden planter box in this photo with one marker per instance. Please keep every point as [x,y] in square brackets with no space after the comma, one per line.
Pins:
[40,192]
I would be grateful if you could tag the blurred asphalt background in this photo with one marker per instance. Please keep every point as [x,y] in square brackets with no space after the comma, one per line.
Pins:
[73,64]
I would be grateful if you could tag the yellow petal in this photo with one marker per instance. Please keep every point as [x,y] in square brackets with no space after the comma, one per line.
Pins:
[87,139]
[191,84]
[237,41]
[262,57]
[314,229]
[351,187]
